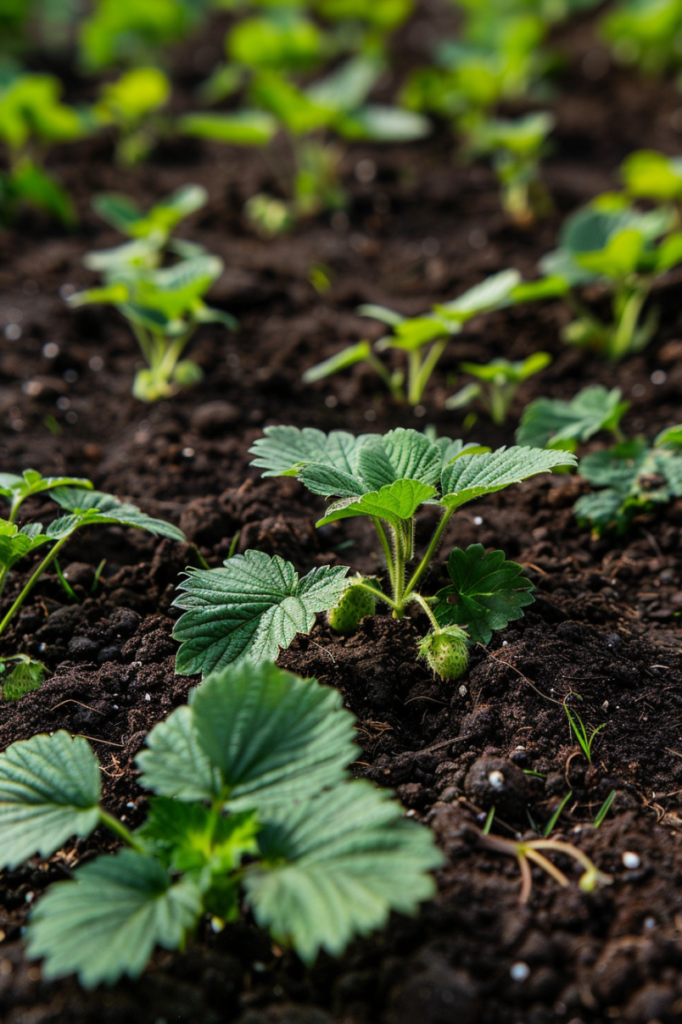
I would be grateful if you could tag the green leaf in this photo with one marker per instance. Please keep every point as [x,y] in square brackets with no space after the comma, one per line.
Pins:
[243,128]
[15,542]
[393,503]
[49,791]
[548,422]
[21,675]
[339,361]
[671,437]
[250,608]
[274,737]
[382,123]
[348,86]
[95,507]
[283,450]
[106,922]
[381,313]
[492,293]
[336,865]
[18,488]
[618,258]
[487,592]
[174,763]
[475,475]
[189,837]
[111,293]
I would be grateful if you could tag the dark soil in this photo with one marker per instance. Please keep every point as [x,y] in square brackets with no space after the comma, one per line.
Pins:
[605,625]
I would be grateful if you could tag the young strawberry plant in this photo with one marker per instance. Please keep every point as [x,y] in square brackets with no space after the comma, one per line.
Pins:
[131,105]
[128,32]
[515,148]
[252,807]
[497,384]
[554,423]
[423,338]
[32,118]
[612,244]
[163,305]
[83,507]
[307,118]
[255,604]
[645,33]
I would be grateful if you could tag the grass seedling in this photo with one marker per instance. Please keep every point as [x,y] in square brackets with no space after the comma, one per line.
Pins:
[498,384]
[385,479]
[580,732]
[32,118]
[423,338]
[527,852]
[163,304]
[612,244]
[490,817]
[604,809]
[131,105]
[252,807]
[515,148]
[549,827]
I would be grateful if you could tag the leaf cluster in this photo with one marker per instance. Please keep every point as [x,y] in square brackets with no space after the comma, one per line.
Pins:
[497,385]
[644,34]
[251,801]
[163,304]
[129,104]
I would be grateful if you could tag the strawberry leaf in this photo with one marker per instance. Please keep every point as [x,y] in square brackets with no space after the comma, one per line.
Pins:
[472,476]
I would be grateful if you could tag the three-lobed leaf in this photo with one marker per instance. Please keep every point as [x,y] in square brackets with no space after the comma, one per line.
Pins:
[394,503]
[472,476]
[91,507]
[549,422]
[487,592]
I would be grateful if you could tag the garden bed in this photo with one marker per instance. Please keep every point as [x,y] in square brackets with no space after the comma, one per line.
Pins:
[605,624]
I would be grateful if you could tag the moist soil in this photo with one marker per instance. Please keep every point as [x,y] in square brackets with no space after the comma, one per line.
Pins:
[602,636]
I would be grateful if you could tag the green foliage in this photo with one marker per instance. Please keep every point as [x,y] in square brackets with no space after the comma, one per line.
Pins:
[262,807]
[650,175]
[32,118]
[515,148]
[423,338]
[19,675]
[264,52]
[128,32]
[611,243]
[250,608]
[129,104]
[84,507]
[163,304]
[554,423]
[498,384]
[487,592]
[580,732]
[646,33]
[387,479]
[632,478]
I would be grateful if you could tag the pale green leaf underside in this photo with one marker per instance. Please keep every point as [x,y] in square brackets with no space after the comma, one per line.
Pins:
[394,503]
[49,791]
[472,476]
[112,510]
[351,858]
[250,608]
[107,921]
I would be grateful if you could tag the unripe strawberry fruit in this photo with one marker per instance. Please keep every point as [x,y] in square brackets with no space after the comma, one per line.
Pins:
[353,606]
[446,652]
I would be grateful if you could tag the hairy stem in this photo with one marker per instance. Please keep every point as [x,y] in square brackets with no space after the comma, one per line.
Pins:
[387,550]
[630,309]
[424,564]
[425,606]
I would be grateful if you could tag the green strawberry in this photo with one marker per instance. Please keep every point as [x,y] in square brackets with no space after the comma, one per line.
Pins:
[446,652]
[353,606]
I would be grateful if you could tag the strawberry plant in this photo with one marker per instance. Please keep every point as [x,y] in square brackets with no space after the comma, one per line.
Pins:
[129,32]
[423,338]
[554,423]
[307,118]
[515,148]
[163,305]
[252,806]
[498,384]
[254,605]
[82,507]
[646,33]
[129,105]
[612,244]
[32,118]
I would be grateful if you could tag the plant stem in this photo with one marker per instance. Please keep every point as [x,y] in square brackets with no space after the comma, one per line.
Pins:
[387,550]
[119,829]
[427,367]
[413,371]
[399,573]
[423,565]
[425,606]
[33,580]
[379,594]
[385,375]
[621,340]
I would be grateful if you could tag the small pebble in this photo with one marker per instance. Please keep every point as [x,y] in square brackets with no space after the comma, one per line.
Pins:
[649,923]
[96,363]
[331,401]
[463,691]
[496,780]
[51,350]
[658,377]
[478,521]
[519,971]
[147,696]
[631,860]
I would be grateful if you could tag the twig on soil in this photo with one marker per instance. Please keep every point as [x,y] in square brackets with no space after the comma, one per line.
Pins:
[525,678]
[94,739]
[71,700]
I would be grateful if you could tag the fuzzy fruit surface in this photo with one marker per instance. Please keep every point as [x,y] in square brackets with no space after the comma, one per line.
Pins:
[446,652]
[353,606]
